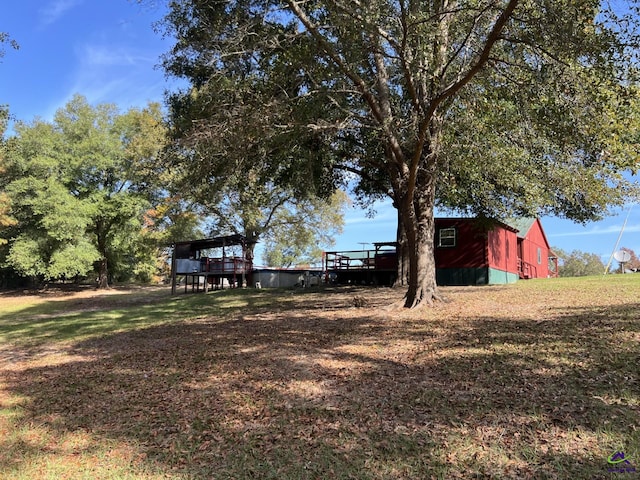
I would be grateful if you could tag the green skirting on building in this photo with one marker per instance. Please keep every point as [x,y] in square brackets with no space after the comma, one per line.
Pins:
[474,276]
[497,277]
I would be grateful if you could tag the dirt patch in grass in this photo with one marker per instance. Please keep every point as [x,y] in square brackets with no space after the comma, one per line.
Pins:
[537,380]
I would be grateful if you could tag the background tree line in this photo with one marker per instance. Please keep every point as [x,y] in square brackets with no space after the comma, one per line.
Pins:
[95,194]
[579,264]
[77,189]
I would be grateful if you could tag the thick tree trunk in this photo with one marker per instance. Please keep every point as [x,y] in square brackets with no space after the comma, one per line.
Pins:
[419,225]
[102,230]
[422,286]
[103,274]
[249,250]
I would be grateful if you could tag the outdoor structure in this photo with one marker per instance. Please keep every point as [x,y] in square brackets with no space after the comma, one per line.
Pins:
[467,252]
[211,263]
[368,267]
[535,257]
[286,277]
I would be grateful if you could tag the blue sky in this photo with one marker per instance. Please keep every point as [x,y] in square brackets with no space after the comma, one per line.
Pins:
[107,51]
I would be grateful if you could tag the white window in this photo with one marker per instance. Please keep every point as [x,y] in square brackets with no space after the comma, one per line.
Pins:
[447,237]
[539,256]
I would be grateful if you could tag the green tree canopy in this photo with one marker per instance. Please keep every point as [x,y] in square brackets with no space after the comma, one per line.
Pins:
[78,188]
[233,155]
[6,220]
[5,205]
[170,220]
[578,263]
[300,235]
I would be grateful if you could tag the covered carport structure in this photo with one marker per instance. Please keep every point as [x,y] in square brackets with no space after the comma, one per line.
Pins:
[192,260]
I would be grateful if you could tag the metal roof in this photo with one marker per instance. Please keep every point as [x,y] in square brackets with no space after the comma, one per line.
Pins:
[522,224]
[217,242]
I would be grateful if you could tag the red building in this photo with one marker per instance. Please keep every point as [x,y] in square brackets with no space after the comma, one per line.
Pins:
[467,252]
[535,257]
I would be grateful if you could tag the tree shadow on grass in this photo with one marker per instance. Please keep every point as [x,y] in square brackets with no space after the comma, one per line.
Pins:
[62,320]
[275,395]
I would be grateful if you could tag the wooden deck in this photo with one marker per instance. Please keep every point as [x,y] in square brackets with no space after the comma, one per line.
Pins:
[361,267]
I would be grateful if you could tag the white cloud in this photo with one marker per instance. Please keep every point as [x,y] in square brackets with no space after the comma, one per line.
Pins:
[124,76]
[382,216]
[610,230]
[55,10]
[104,56]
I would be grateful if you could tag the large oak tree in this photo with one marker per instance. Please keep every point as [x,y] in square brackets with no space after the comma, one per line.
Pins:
[486,106]
[79,186]
[6,220]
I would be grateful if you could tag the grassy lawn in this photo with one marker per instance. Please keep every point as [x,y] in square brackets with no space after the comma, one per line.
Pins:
[538,380]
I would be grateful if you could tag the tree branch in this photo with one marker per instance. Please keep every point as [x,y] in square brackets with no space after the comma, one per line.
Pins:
[370,99]
[484,56]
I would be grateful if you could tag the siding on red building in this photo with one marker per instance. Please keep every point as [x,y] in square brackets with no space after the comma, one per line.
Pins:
[503,255]
[533,248]
[481,255]
[470,247]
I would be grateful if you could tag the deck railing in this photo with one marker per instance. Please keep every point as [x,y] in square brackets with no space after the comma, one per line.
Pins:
[224,265]
[350,260]
[360,260]
[526,269]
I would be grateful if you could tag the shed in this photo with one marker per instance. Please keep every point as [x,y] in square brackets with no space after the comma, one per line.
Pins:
[285,278]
